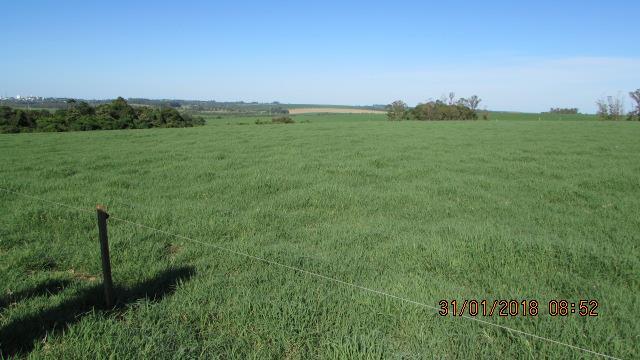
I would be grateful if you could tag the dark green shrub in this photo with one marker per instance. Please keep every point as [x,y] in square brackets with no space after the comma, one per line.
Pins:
[53,123]
[19,120]
[282,120]
[438,110]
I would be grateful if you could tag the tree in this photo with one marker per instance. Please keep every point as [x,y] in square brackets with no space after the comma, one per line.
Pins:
[452,98]
[396,110]
[473,102]
[603,110]
[635,113]
[611,108]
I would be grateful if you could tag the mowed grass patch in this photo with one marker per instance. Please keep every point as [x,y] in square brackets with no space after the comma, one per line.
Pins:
[535,210]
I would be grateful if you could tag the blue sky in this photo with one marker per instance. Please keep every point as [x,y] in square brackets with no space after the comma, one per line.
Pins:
[515,55]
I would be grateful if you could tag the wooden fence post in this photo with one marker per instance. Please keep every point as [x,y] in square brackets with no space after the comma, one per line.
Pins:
[104,251]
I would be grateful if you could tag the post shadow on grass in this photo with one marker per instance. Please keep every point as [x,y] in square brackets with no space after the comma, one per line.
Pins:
[49,287]
[18,336]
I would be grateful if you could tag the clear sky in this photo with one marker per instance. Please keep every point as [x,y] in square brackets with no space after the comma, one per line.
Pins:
[525,56]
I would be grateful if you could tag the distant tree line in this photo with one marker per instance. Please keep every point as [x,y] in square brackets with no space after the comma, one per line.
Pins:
[193,106]
[80,116]
[564,111]
[446,108]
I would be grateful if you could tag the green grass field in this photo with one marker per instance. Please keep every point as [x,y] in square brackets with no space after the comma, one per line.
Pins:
[534,210]
[497,115]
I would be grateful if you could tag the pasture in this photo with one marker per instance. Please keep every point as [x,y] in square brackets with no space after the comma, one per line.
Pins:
[527,210]
[332,110]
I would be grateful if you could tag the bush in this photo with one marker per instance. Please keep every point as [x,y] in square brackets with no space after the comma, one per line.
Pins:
[18,120]
[563,111]
[282,120]
[438,110]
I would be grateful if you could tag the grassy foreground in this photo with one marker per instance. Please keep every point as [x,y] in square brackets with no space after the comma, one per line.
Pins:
[535,210]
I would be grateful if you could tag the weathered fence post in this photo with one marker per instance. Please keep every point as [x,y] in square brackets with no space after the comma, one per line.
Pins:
[104,251]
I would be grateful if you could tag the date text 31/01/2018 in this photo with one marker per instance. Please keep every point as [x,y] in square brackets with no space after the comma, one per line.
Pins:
[585,308]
